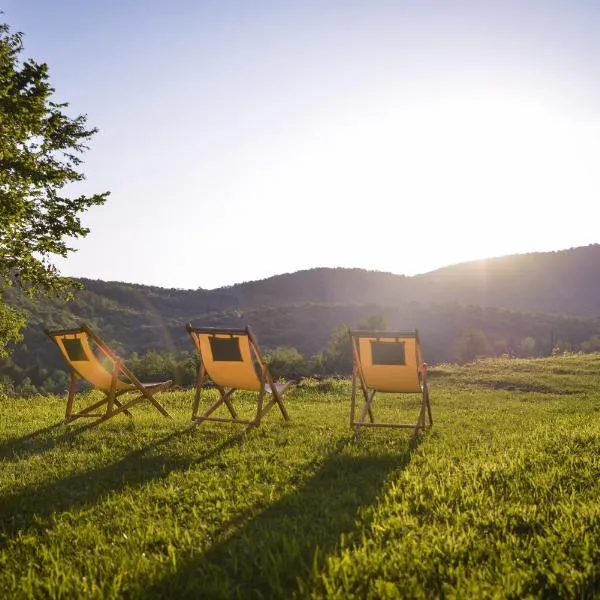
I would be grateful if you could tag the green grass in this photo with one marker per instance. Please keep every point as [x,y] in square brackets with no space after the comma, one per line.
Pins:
[501,499]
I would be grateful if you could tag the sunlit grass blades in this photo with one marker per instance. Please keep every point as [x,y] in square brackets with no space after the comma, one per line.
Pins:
[232,360]
[387,361]
[90,359]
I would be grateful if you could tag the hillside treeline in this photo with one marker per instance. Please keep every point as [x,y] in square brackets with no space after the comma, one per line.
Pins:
[524,305]
[302,340]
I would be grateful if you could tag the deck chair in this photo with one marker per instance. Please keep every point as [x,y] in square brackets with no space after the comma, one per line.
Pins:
[232,360]
[91,360]
[387,361]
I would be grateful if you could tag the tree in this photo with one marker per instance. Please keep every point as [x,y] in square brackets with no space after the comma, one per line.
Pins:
[472,344]
[375,322]
[592,344]
[338,355]
[287,362]
[40,153]
[527,346]
[11,322]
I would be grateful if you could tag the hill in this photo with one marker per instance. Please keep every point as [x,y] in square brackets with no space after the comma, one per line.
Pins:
[524,304]
[563,282]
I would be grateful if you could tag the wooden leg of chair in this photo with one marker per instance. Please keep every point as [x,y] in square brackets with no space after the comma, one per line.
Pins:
[112,393]
[259,406]
[277,397]
[199,383]
[161,409]
[267,407]
[226,395]
[71,397]
[148,393]
[428,406]
[121,408]
[353,400]
[211,409]
[88,409]
[420,426]
[120,405]
[371,407]
[367,409]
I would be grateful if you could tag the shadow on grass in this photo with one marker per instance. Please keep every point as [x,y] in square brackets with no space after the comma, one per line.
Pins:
[35,442]
[34,506]
[47,438]
[278,553]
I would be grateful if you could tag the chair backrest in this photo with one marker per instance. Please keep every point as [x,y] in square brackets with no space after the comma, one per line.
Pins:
[388,361]
[74,345]
[228,356]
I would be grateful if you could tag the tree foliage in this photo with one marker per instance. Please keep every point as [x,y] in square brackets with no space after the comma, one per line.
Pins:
[11,322]
[287,362]
[471,345]
[40,154]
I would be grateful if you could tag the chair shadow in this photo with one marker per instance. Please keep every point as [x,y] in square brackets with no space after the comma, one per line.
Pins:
[291,540]
[35,442]
[34,506]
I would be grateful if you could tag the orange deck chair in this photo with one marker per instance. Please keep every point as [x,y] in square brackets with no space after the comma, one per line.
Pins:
[91,360]
[232,360]
[388,361]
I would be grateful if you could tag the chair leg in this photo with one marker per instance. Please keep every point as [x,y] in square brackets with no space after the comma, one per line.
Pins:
[112,393]
[367,409]
[226,395]
[148,394]
[85,411]
[420,425]
[278,398]
[428,406]
[199,383]
[71,397]
[211,409]
[121,408]
[259,406]
[353,400]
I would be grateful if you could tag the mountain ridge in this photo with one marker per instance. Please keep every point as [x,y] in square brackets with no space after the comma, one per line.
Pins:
[538,300]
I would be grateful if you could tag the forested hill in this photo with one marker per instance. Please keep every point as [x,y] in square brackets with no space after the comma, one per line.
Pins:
[526,304]
[564,282]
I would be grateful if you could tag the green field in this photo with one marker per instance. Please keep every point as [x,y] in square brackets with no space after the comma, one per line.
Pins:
[500,499]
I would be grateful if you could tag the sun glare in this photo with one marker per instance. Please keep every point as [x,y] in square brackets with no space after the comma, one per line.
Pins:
[482,174]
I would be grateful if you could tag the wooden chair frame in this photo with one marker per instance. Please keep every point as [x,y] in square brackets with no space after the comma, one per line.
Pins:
[114,406]
[267,385]
[369,393]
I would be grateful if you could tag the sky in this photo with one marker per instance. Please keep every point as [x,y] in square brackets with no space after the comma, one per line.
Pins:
[244,139]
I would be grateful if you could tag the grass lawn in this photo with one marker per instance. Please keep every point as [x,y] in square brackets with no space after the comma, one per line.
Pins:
[500,499]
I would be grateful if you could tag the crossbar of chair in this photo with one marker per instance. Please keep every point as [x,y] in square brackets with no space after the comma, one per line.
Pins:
[224,420]
[378,334]
[390,425]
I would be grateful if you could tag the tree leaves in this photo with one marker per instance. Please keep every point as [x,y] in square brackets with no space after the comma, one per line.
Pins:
[40,153]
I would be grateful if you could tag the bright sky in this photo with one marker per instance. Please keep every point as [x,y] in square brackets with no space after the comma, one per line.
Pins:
[244,138]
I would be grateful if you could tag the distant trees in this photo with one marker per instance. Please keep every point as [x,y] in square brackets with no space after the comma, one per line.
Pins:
[40,153]
[337,358]
[11,322]
[288,363]
[156,366]
[592,344]
[471,344]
